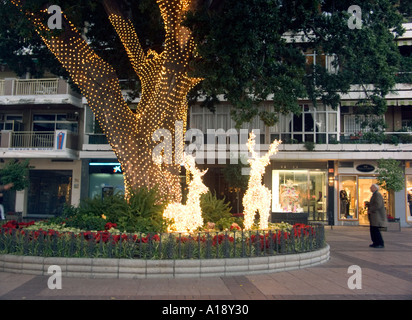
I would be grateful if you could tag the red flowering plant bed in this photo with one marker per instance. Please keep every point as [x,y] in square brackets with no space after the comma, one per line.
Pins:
[25,239]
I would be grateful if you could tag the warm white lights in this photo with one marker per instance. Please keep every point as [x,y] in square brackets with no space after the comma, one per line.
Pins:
[165,85]
[188,218]
[257,196]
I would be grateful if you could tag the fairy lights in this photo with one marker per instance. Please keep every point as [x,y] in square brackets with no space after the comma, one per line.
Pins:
[257,196]
[165,85]
[188,218]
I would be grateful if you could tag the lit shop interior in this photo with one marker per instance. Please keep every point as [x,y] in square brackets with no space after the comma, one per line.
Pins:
[300,191]
[354,196]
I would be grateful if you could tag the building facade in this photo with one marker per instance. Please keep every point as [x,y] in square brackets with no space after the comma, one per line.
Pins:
[324,167]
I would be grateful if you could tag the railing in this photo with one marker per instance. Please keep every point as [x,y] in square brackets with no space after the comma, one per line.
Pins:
[404,136]
[36,86]
[32,139]
[204,245]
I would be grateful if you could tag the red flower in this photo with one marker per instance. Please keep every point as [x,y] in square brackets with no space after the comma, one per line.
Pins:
[109,225]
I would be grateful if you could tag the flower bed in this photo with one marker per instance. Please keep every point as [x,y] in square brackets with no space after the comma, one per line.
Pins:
[31,240]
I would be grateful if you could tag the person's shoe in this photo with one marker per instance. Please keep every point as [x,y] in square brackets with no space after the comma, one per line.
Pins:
[379,246]
[372,245]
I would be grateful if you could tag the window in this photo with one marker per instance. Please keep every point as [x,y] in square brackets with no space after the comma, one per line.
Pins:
[300,191]
[203,119]
[52,122]
[354,196]
[319,125]
[314,58]
[353,123]
[348,186]
[12,122]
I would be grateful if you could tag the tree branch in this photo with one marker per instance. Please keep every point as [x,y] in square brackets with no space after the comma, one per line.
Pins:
[96,78]
[127,34]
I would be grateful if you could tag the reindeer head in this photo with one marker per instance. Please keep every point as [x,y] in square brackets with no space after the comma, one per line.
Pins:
[197,182]
[258,163]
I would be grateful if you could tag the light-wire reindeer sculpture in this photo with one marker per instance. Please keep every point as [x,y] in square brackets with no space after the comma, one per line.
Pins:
[257,196]
[188,217]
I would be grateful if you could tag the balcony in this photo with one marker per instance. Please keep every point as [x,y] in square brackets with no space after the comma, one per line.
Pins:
[37,91]
[34,144]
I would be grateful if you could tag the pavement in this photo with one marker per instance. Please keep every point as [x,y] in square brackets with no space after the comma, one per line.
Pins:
[354,272]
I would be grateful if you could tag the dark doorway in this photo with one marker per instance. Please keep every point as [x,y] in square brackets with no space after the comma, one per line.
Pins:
[49,191]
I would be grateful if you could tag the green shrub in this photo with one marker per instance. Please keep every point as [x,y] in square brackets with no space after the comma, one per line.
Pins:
[217,211]
[143,212]
[17,173]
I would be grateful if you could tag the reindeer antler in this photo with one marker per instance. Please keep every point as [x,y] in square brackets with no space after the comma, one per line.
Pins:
[251,144]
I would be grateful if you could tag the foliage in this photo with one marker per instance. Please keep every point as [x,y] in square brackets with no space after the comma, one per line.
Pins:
[25,239]
[143,212]
[234,177]
[309,145]
[241,51]
[17,173]
[216,211]
[390,175]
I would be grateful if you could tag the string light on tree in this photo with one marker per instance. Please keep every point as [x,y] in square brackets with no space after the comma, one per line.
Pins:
[165,85]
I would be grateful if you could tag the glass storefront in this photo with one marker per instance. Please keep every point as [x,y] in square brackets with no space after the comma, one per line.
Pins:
[409,198]
[105,178]
[354,196]
[300,191]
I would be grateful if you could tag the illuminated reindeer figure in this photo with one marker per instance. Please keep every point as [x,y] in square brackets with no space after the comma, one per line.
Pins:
[188,217]
[257,196]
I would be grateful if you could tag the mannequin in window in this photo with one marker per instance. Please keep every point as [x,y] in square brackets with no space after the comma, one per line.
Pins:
[344,203]
[410,201]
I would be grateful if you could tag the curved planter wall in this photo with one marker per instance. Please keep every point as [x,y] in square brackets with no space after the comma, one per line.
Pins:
[140,269]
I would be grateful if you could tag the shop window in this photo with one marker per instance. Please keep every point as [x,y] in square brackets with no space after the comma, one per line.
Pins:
[299,191]
[348,198]
[354,196]
[409,198]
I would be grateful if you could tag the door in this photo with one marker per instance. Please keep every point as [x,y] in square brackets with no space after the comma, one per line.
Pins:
[49,191]
[364,196]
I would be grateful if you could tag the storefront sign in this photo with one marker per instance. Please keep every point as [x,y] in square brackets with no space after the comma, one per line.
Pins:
[365,168]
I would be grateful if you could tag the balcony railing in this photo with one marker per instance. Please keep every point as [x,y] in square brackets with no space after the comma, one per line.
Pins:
[32,140]
[59,140]
[36,86]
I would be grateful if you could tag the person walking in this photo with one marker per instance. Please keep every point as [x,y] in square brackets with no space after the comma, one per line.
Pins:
[3,188]
[377,217]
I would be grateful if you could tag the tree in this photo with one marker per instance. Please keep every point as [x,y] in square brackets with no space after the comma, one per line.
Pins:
[17,173]
[390,175]
[237,47]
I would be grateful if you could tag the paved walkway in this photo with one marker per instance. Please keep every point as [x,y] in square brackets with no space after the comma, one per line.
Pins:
[385,274]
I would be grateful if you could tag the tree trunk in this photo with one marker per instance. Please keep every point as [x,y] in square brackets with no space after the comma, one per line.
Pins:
[165,85]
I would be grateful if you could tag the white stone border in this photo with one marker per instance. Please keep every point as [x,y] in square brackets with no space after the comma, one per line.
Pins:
[142,269]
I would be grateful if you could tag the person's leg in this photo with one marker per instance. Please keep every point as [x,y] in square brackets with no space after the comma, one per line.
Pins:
[379,238]
[373,235]
[376,237]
